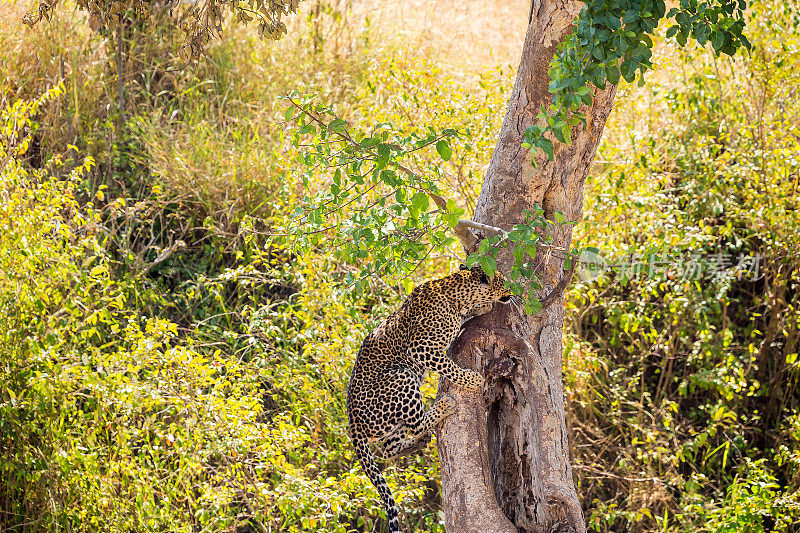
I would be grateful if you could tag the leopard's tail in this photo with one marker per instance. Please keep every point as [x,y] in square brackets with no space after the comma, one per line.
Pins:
[367,460]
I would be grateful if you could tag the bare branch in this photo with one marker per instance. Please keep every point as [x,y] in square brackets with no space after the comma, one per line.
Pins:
[163,256]
[548,300]
[482,227]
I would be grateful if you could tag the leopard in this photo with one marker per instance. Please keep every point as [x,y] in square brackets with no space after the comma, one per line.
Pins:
[384,401]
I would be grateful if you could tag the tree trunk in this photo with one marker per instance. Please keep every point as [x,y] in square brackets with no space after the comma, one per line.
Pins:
[505,457]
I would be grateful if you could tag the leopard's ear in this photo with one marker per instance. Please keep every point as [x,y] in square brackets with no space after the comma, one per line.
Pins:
[476,273]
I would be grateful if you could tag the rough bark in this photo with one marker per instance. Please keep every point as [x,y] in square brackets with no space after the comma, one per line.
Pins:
[505,457]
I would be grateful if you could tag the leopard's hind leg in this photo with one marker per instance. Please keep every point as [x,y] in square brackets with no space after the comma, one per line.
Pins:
[416,423]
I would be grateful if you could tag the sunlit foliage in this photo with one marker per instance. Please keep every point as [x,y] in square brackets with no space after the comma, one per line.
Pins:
[151,385]
[684,354]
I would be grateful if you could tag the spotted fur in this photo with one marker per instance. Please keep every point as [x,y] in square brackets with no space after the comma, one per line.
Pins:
[384,402]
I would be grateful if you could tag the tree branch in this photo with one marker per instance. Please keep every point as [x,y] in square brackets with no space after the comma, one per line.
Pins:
[462,231]
[163,256]
[482,227]
[548,300]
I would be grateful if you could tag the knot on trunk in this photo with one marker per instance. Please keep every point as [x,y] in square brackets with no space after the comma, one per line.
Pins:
[501,350]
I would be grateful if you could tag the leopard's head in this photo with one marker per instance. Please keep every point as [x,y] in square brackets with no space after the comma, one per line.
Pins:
[475,292]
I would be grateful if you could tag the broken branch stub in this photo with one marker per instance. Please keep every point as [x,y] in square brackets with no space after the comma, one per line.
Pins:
[462,229]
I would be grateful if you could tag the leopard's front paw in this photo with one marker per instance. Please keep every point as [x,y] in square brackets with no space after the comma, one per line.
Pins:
[448,404]
[481,310]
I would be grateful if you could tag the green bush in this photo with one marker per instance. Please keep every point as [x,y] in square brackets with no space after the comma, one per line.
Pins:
[683,356]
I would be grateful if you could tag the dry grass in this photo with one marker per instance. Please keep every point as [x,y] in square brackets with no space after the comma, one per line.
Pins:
[33,60]
[466,36]
[235,89]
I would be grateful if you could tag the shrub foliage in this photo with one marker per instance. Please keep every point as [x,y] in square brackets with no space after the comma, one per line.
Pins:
[170,361]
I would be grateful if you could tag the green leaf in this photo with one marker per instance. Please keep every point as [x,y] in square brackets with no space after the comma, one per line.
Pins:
[547,146]
[390,177]
[443,147]
[566,133]
[745,42]
[717,40]
[620,44]
[384,153]
[533,306]
[489,265]
[628,70]
[308,128]
[369,142]
[337,125]
[728,48]
[612,73]
[315,217]
[420,201]
[453,209]
[701,34]
[600,77]
[519,253]
[558,133]
[630,16]
[559,216]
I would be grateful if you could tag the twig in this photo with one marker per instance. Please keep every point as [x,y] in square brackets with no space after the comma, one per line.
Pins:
[462,231]
[548,300]
[163,256]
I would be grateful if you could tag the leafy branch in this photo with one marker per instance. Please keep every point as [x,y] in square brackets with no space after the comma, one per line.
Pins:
[449,210]
[524,240]
[375,208]
[612,39]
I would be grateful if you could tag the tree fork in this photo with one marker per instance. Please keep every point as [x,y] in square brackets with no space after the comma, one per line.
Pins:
[505,458]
